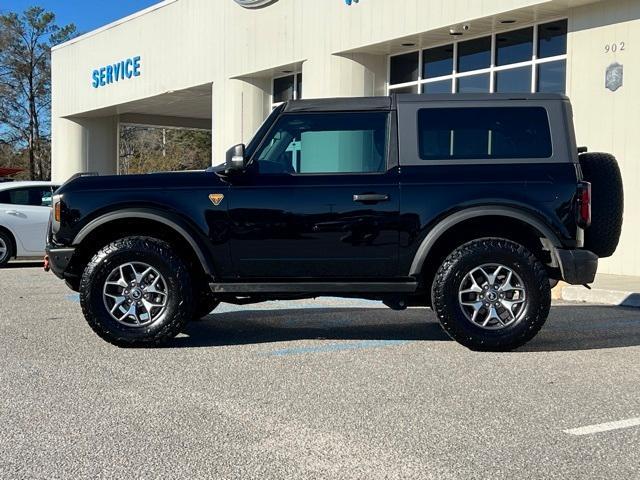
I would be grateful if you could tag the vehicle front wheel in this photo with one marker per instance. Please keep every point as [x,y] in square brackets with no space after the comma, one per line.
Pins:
[136,292]
[491,294]
[205,303]
[6,249]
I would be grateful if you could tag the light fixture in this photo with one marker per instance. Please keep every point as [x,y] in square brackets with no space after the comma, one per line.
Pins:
[507,21]
[408,44]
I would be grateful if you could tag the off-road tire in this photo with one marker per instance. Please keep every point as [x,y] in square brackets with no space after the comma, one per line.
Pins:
[159,255]
[6,240]
[607,202]
[486,251]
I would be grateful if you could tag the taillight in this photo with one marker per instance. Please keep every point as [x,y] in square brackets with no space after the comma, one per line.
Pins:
[583,210]
[56,212]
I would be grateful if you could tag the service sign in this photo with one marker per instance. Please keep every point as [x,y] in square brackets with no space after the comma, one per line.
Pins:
[116,72]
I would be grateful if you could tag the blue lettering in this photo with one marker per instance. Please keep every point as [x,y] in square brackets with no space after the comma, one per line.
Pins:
[136,66]
[128,67]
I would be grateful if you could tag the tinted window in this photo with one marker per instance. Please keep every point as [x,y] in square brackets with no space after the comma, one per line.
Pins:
[552,39]
[552,77]
[409,89]
[513,80]
[474,83]
[474,54]
[326,143]
[33,196]
[514,47]
[483,133]
[437,62]
[441,86]
[403,68]
[283,89]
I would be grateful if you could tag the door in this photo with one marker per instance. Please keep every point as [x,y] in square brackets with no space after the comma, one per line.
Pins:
[25,211]
[318,200]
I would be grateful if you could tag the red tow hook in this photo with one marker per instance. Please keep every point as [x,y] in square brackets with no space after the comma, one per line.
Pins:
[47,264]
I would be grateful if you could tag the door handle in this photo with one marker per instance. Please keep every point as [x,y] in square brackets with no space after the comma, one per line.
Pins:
[371,197]
[13,212]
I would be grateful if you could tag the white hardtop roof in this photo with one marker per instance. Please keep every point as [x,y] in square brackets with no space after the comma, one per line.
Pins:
[12,185]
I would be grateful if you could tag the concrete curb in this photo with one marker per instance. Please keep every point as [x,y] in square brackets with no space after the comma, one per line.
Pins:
[578,293]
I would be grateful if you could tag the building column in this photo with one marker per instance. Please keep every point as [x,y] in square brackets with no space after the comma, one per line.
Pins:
[84,145]
[239,107]
[347,75]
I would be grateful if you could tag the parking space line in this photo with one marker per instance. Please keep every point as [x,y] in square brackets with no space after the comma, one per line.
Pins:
[604,427]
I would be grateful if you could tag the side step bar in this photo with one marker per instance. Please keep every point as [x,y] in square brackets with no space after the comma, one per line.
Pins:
[315,287]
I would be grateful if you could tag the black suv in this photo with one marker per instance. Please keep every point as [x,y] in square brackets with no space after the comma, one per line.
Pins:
[474,205]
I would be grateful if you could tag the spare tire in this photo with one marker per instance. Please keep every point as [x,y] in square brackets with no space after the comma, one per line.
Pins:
[607,202]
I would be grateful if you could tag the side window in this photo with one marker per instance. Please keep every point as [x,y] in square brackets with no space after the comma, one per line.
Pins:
[326,143]
[34,196]
[483,133]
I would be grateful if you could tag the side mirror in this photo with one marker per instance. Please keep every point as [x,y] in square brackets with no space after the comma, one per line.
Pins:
[235,158]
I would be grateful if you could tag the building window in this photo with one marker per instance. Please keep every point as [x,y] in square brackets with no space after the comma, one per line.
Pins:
[530,59]
[287,88]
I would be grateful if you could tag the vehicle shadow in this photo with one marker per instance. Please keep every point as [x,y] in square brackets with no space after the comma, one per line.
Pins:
[569,327]
[267,326]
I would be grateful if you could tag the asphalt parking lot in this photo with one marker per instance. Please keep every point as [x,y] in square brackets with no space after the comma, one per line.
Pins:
[324,389]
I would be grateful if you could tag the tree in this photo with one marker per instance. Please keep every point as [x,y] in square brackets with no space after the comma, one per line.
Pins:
[25,84]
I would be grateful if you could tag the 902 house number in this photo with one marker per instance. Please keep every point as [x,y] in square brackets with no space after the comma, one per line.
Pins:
[614,47]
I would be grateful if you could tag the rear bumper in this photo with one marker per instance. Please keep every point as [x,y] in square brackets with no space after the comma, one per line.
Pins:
[577,267]
[59,259]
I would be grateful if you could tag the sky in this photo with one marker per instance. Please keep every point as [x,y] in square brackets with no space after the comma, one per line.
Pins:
[86,14]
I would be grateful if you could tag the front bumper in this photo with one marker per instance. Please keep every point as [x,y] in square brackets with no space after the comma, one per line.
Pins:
[59,259]
[578,267]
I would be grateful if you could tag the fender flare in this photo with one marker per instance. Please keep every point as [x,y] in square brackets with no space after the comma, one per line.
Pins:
[444,225]
[171,221]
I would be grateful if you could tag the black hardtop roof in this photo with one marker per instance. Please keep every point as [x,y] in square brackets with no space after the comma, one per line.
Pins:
[388,103]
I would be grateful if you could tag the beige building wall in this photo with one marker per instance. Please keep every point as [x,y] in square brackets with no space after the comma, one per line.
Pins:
[609,121]
[232,54]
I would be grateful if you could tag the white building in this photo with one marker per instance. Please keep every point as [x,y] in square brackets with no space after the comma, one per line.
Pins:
[223,64]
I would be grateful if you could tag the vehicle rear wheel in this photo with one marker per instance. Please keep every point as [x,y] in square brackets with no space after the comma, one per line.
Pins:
[607,202]
[491,294]
[136,292]
[6,249]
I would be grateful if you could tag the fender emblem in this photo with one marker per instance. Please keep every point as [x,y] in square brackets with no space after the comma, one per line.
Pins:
[216,198]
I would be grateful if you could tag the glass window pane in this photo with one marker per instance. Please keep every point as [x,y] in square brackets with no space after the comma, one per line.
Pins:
[514,47]
[299,86]
[409,89]
[283,89]
[326,143]
[552,77]
[404,68]
[442,86]
[552,39]
[516,80]
[474,54]
[483,133]
[474,84]
[437,62]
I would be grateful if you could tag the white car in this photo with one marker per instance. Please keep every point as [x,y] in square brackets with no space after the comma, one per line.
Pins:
[24,215]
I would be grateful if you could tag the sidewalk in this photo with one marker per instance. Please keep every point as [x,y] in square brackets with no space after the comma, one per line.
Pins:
[607,289]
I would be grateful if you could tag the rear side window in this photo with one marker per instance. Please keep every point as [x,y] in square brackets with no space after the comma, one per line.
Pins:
[483,133]
[31,196]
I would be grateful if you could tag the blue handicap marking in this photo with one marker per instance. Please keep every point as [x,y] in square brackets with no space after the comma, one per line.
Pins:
[337,347]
